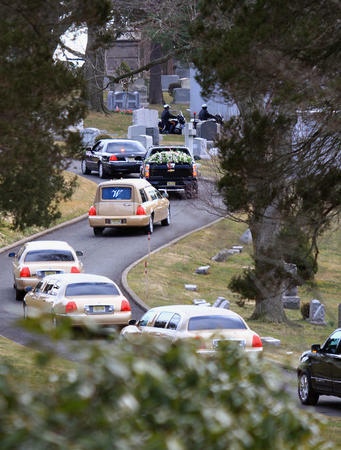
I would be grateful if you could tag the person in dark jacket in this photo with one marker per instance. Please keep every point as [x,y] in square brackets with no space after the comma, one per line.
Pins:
[165,116]
[204,114]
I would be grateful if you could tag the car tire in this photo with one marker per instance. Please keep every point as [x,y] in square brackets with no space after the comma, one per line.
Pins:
[84,168]
[101,171]
[306,393]
[24,310]
[98,231]
[19,295]
[191,191]
[165,222]
[150,226]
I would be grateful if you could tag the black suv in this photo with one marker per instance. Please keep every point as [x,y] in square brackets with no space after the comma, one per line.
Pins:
[319,371]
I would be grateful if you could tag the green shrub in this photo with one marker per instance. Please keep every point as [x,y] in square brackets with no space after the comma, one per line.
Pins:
[155,396]
[173,86]
[305,310]
[102,136]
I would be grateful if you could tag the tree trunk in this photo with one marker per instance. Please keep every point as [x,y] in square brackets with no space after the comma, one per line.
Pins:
[94,72]
[270,285]
[155,88]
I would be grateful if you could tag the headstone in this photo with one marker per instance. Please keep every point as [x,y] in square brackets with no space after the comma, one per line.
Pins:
[146,141]
[191,287]
[237,247]
[291,302]
[123,100]
[222,302]
[200,148]
[207,129]
[166,80]
[136,130]
[181,95]
[268,340]
[317,313]
[185,83]
[201,302]
[246,237]
[146,117]
[221,256]
[233,251]
[154,133]
[339,315]
[203,270]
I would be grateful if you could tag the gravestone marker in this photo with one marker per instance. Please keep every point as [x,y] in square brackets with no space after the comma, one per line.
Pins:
[208,129]
[317,313]
[166,80]
[181,95]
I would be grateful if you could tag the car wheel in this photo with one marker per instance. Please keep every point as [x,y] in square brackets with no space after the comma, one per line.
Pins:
[165,222]
[24,310]
[150,226]
[305,392]
[19,295]
[98,231]
[84,168]
[101,171]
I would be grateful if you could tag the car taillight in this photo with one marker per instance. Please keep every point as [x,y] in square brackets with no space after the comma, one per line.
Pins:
[92,211]
[70,307]
[25,272]
[125,305]
[256,341]
[146,171]
[140,211]
[113,158]
[194,168]
[75,269]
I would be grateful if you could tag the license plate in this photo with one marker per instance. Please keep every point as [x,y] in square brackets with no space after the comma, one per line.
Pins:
[171,183]
[115,221]
[50,272]
[131,159]
[98,308]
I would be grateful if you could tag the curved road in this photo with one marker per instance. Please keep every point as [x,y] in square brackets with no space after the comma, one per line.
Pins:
[107,255]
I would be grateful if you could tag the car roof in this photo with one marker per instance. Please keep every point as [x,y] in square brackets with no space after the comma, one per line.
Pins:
[48,245]
[119,141]
[137,182]
[161,147]
[78,278]
[196,310]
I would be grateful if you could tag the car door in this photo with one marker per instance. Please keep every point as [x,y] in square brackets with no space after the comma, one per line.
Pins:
[94,155]
[336,366]
[32,299]
[162,206]
[159,327]
[321,365]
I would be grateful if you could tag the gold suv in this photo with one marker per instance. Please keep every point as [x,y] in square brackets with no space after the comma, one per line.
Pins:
[130,202]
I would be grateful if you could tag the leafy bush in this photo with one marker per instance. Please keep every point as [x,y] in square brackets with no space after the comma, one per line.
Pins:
[158,396]
[305,310]
[173,86]
[102,136]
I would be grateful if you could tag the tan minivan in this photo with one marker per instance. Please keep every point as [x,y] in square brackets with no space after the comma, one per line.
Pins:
[129,202]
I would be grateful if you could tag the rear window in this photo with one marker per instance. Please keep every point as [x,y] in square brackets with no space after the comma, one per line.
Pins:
[91,289]
[215,323]
[116,193]
[48,255]
[124,148]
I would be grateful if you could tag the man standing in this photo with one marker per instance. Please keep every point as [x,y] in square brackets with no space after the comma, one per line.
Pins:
[165,116]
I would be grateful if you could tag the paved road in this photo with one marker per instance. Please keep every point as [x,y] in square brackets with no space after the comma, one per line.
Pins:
[107,255]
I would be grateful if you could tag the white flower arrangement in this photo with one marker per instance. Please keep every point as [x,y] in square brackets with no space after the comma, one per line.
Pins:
[167,156]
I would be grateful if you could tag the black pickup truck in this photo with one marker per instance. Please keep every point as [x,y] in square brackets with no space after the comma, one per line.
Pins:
[171,168]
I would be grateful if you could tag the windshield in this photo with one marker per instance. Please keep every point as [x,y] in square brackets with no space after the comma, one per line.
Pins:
[75,289]
[123,147]
[48,255]
[215,323]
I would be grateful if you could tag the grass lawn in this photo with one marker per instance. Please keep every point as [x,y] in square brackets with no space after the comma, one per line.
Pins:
[79,204]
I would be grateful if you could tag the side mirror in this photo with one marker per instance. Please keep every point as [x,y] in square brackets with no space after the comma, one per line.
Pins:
[79,253]
[12,255]
[132,322]
[315,348]
[28,288]
[165,194]
[197,157]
